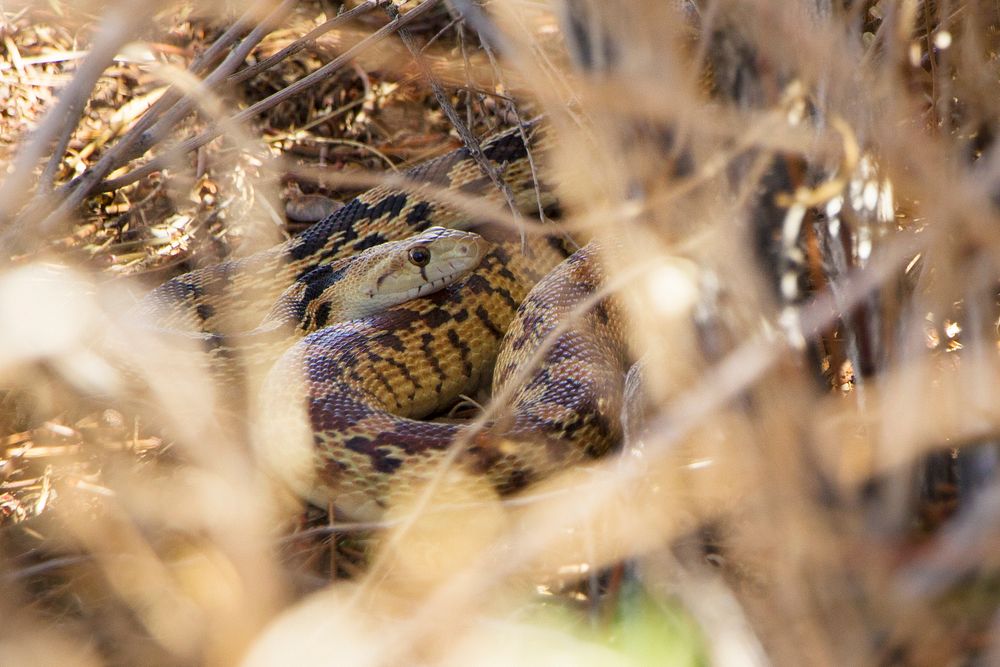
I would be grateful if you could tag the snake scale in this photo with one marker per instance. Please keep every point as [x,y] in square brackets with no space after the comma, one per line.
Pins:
[340,411]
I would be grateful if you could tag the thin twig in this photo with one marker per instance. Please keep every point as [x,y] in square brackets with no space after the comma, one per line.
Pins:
[118,26]
[304,41]
[76,94]
[217,129]
[498,73]
[468,139]
[451,24]
[459,22]
[201,63]
[277,98]
[73,193]
[156,133]
[477,19]
[531,69]
[44,567]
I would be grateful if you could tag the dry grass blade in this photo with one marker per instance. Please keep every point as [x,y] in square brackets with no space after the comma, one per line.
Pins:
[118,28]
[311,79]
[797,210]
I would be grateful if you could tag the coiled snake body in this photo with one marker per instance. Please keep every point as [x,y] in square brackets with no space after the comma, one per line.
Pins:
[340,410]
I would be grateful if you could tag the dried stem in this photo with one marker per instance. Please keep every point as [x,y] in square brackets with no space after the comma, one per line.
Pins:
[468,139]
[118,27]
[156,133]
[88,184]
[304,41]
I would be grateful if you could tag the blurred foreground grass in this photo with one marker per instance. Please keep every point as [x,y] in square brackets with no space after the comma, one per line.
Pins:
[802,198]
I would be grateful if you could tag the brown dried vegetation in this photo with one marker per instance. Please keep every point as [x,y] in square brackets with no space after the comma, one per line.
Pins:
[803,197]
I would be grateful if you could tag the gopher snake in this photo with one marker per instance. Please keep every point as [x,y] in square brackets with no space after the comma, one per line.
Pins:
[349,396]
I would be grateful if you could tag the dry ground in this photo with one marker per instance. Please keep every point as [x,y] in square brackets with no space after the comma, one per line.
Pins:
[816,479]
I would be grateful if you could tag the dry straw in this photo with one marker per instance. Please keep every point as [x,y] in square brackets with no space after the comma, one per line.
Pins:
[798,204]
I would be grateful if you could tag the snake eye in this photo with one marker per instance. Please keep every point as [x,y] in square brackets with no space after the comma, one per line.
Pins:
[420,255]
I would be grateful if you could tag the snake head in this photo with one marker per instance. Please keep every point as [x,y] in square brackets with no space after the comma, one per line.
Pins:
[417,266]
[391,273]
[380,277]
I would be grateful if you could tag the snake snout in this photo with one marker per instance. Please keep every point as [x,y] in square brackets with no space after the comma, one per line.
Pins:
[475,247]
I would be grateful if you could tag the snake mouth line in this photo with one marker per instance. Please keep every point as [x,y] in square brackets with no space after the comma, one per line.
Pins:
[435,284]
